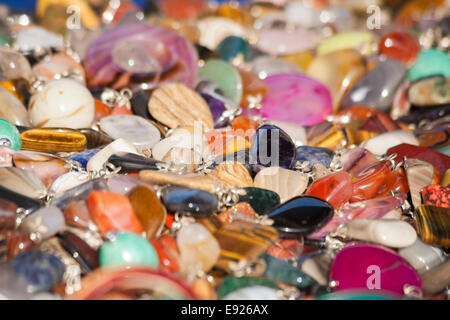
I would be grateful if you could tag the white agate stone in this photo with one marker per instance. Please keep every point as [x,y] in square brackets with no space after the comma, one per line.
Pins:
[389,233]
[66,182]
[37,38]
[120,145]
[135,129]
[185,140]
[382,143]
[421,256]
[63,103]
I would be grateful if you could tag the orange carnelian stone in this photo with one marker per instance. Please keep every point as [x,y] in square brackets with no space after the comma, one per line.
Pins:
[355,113]
[244,126]
[112,212]
[396,180]
[166,248]
[401,46]
[101,110]
[253,86]
[368,182]
[121,110]
[335,188]
[183,9]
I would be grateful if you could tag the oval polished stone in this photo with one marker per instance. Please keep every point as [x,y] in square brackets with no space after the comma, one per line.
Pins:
[335,188]
[232,47]
[313,155]
[127,249]
[377,88]
[353,266]
[430,63]
[148,209]
[9,135]
[357,159]
[278,42]
[261,200]
[77,214]
[141,133]
[62,103]
[399,45]
[271,146]
[198,203]
[380,144]
[53,140]
[296,98]
[301,215]
[86,257]
[361,40]
[421,256]
[430,91]
[433,225]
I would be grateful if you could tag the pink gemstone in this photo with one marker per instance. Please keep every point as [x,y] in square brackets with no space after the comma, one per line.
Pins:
[281,42]
[356,160]
[357,266]
[296,98]
[370,209]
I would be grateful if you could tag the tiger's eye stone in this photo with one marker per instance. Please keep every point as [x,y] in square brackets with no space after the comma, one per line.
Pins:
[261,200]
[198,203]
[399,45]
[335,188]
[326,135]
[433,225]
[242,240]
[301,215]
[9,135]
[436,195]
[166,247]
[53,140]
[77,214]
[127,249]
[148,209]
[95,139]
[430,63]
[112,212]
[367,182]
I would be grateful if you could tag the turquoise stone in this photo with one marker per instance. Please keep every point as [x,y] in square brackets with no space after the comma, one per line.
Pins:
[230,284]
[9,135]
[127,248]
[429,63]
[231,47]
[283,271]
[261,200]
[226,76]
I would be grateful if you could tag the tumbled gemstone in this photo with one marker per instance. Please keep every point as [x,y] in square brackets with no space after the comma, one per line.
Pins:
[271,146]
[254,88]
[44,223]
[368,181]
[356,160]
[430,63]
[278,41]
[86,257]
[361,40]
[95,138]
[355,113]
[353,268]
[422,257]
[231,146]
[184,9]
[296,98]
[244,126]
[380,144]
[112,212]
[433,224]
[335,188]
[28,204]
[148,209]
[436,138]
[14,242]
[230,284]
[432,91]
[232,47]
[217,108]
[133,163]
[127,249]
[7,214]
[22,181]
[83,157]
[301,215]
[286,249]
[102,110]
[9,135]
[379,123]
[53,140]
[399,45]
[395,181]
[139,104]
[436,195]
[314,155]
[166,248]
[326,135]
[261,200]
[198,203]
[241,210]
[41,270]
[436,280]
[77,214]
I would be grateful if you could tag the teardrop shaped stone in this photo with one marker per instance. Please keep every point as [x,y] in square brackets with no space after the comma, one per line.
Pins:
[133,163]
[335,188]
[261,200]
[22,181]
[198,203]
[377,88]
[86,257]
[301,215]
[271,147]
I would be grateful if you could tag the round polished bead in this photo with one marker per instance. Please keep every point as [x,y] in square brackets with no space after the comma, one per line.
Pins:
[9,135]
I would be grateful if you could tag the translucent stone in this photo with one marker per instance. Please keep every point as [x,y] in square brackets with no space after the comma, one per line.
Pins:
[265,66]
[12,109]
[9,135]
[380,144]
[335,188]
[66,182]
[280,42]
[37,38]
[199,250]
[22,181]
[399,45]
[53,140]
[120,145]
[43,223]
[361,40]
[13,65]
[421,256]
[253,293]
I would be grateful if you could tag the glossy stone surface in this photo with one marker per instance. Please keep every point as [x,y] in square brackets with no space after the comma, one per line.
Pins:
[278,42]
[253,87]
[86,257]
[12,109]
[301,215]
[194,202]
[112,212]
[255,292]
[83,157]
[430,63]
[436,279]
[41,270]
[6,157]
[127,249]
[133,163]
[339,71]
[135,129]
[356,160]
[380,144]
[53,140]
[14,242]
[28,204]
[43,223]
[432,224]
[296,98]
[399,45]
[62,103]
[77,214]
[166,247]
[271,146]
[94,138]
[367,182]
[361,40]
[430,91]
[232,47]
[377,88]
[22,181]
[13,65]
[217,108]
[436,195]
[97,161]
[9,135]
[241,210]
[335,188]
[314,155]
[261,200]
[350,269]
[199,250]
[379,123]
[148,209]
[395,181]
[421,256]
[265,66]
[230,284]
[234,173]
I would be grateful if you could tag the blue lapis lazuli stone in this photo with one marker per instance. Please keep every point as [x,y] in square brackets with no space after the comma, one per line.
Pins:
[272,147]
[84,157]
[195,202]
[231,47]
[40,269]
[313,155]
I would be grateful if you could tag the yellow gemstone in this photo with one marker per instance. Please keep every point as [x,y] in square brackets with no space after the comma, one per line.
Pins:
[53,140]
[363,41]
[302,59]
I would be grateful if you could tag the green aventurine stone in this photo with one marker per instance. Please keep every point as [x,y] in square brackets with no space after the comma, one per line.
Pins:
[226,76]
[261,200]
[282,271]
[429,63]
[230,284]
[9,135]
[127,248]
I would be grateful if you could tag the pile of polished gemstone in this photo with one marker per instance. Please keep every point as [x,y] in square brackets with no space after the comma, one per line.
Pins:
[225,150]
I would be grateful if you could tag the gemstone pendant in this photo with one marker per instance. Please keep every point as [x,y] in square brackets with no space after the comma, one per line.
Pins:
[197,203]
[53,140]
[433,225]
[9,135]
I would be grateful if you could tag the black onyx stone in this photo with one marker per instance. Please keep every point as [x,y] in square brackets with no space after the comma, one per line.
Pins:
[261,200]
[86,257]
[272,147]
[28,204]
[195,202]
[133,163]
[139,104]
[301,215]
